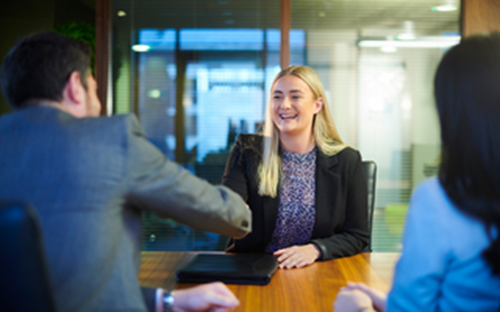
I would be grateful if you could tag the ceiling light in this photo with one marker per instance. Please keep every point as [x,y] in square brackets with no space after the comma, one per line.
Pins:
[141,48]
[445,8]
[388,49]
[420,42]
[408,31]
[154,94]
[121,13]
[406,36]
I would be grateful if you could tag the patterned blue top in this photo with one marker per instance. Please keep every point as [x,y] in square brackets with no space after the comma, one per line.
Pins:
[297,208]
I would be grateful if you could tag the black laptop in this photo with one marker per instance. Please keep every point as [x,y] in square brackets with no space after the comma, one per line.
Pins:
[249,269]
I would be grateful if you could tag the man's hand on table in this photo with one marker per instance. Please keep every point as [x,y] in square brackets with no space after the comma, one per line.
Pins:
[213,297]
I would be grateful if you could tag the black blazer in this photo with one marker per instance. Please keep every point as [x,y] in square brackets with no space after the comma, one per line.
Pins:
[341,226]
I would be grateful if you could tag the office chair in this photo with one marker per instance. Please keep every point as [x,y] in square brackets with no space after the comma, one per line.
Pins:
[25,282]
[371,177]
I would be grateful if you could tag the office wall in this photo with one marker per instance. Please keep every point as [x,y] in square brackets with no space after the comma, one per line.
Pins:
[20,18]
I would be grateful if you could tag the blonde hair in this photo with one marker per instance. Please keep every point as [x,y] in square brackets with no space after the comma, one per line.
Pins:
[325,134]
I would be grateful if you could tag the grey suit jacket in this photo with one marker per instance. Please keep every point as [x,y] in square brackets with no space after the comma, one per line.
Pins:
[89,179]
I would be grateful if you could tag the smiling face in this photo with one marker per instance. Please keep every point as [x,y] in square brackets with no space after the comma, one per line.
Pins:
[293,106]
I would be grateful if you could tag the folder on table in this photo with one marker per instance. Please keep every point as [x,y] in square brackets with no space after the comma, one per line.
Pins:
[253,269]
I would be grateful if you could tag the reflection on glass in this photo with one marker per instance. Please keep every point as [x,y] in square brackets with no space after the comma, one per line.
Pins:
[208,66]
[200,83]
[376,60]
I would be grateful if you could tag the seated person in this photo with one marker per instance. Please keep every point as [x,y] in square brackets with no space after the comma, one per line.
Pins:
[451,251]
[90,178]
[306,189]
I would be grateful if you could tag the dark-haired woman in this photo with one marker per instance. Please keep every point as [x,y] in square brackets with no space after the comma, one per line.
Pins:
[451,254]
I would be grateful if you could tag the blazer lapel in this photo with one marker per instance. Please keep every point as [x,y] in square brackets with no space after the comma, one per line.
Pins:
[326,184]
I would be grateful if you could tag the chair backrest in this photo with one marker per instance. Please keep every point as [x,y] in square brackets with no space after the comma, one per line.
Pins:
[25,282]
[371,177]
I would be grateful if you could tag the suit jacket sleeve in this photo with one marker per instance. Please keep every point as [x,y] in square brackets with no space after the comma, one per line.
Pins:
[163,187]
[149,295]
[355,234]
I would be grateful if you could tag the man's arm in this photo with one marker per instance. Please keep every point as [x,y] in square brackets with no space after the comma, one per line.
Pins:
[160,185]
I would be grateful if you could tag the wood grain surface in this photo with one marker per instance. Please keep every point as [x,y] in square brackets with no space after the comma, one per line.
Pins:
[313,288]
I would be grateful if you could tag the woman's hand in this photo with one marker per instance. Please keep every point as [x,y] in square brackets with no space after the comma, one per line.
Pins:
[378,298]
[297,256]
[352,300]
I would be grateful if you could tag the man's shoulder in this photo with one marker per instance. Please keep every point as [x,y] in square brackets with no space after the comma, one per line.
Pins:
[116,120]
[114,126]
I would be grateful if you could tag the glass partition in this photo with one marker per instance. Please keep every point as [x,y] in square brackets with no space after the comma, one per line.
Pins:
[197,73]
[377,60]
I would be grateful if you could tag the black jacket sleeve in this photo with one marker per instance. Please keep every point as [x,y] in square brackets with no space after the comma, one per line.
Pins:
[354,234]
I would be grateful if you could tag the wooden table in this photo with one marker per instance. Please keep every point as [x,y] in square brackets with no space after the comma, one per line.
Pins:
[310,289]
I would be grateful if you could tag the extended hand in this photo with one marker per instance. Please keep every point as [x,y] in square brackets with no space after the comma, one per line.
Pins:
[297,256]
[246,233]
[213,297]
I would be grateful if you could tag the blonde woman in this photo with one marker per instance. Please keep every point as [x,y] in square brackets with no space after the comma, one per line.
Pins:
[307,190]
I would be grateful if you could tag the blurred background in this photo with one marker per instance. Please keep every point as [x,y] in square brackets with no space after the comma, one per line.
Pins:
[198,73]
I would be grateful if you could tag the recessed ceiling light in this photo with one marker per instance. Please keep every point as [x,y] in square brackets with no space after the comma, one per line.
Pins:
[141,48]
[408,32]
[445,8]
[406,36]
[422,42]
[121,13]
[388,49]
[154,94]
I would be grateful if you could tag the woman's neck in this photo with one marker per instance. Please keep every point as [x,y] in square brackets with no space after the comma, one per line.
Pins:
[298,144]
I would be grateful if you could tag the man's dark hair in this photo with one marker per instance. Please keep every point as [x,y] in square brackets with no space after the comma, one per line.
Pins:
[39,66]
[467,91]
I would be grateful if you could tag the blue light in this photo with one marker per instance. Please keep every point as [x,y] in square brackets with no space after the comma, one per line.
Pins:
[221,39]
[297,39]
[158,40]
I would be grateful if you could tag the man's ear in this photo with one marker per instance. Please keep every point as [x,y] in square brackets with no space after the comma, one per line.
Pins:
[74,92]
[318,105]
